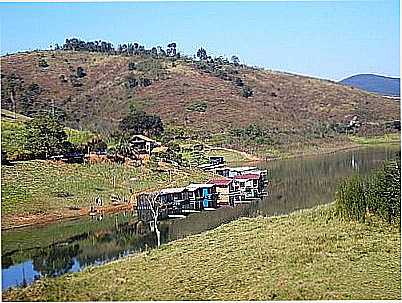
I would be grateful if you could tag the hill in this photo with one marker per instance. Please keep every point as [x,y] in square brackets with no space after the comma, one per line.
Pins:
[381,85]
[93,91]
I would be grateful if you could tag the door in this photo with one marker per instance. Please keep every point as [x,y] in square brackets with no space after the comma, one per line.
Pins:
[205,195]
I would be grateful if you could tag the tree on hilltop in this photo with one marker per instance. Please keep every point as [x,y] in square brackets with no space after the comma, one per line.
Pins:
[139,122]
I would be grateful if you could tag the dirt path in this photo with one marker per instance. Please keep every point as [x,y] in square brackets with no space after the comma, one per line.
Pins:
[248,156]
[17,221]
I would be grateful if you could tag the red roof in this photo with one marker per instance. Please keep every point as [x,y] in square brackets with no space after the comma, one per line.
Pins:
[248,176]
[220,182]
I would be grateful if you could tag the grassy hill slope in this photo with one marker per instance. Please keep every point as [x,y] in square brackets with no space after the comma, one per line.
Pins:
[311,255]
[281,103]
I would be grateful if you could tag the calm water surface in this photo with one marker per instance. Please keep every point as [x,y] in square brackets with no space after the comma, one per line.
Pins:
[31,253]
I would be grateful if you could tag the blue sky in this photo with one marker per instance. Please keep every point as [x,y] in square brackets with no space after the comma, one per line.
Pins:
[329,39]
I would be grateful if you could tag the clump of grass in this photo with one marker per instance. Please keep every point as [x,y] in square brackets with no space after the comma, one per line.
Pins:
[383,192]
[351,199]
[198,106]
[379,194]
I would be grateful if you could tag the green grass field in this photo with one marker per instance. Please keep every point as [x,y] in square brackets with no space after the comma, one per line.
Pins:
[385,139]
[33,187]
[307,255]
[13,135]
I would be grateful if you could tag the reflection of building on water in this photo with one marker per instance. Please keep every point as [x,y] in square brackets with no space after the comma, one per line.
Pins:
[235,185]
[354,162]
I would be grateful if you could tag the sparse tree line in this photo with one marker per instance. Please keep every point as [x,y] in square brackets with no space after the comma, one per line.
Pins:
[218,66]
[222,68]
[130,49]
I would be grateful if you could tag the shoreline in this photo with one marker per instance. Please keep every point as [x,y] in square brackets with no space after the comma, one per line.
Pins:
[51,218]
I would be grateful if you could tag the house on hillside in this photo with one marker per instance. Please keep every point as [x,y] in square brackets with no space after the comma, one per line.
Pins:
[143,145]
[225,190]
[251,186]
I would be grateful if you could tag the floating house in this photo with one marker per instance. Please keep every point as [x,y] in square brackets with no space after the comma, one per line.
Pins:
[241,170]
[226,191]
[251,186]
[144,208]
[177,199]
[202,196]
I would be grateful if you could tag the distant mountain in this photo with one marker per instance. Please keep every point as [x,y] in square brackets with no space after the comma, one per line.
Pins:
[381,85]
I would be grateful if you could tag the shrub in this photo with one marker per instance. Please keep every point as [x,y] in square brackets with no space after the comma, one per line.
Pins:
[198,106]
[384,192]
[43,63]
[350,199]
[247,92]
[81,72]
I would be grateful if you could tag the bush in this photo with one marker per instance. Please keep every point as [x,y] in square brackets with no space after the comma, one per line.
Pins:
[81,72]
[198,106]
[350,199]
[247,92]
[380,194]
[384,192]
[45,136]
[43,63]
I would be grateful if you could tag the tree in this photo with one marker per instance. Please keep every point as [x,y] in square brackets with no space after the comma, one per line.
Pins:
[154,203]
[202,54]
[45,136]
[171,50]
[81,72]
[235,60]
[139,122]
[247,92]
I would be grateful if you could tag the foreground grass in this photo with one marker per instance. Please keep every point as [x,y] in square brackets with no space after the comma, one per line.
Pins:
[33,187]
[309,255]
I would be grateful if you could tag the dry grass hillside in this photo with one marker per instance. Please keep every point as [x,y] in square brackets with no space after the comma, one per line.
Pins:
[280,102]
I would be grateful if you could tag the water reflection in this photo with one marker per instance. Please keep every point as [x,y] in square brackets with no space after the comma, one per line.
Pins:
[64,247]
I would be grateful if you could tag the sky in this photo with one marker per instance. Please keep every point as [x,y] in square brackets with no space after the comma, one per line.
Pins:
[330,39]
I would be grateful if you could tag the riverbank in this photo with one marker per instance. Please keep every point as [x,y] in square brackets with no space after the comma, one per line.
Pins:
[297,150]
[308,255]
[43,192]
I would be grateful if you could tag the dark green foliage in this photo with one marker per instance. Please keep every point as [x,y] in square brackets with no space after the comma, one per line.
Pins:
[197,106]
[202,54]
[4,158]
[139,122]
[380,194]
[253,133]
[171,50]
[131,66]
[43,63]
[235,60]
[247,92]
[81,72]
[351,200]
[45,136]
[238,82]
[384,192]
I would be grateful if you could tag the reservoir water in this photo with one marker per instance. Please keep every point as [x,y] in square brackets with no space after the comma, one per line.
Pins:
[31,253]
